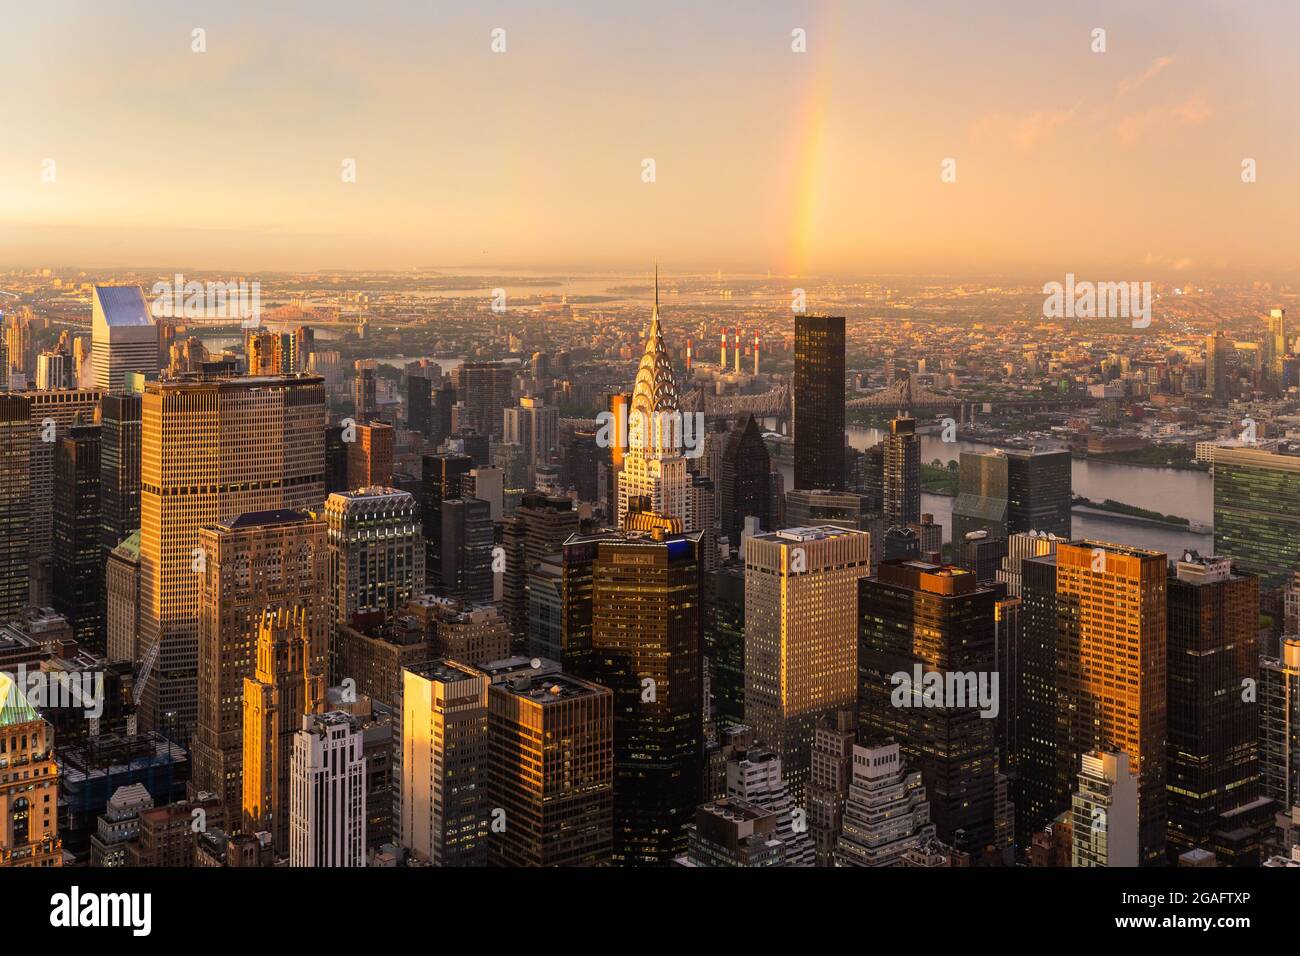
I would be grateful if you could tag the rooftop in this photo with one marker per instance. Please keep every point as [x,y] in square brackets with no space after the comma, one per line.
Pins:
[257,519]
[14,708]
[123,306]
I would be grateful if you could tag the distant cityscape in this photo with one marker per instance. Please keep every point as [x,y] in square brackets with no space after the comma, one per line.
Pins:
[471,568]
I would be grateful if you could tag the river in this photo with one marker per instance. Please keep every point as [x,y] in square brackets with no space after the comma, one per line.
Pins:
[1167,490]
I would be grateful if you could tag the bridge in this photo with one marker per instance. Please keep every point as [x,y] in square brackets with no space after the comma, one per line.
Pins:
[771,404]
[902,395]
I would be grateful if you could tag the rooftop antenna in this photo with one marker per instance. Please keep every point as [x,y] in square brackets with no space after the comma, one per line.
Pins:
[656,285]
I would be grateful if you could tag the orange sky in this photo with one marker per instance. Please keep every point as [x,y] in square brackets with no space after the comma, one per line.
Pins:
[825,161]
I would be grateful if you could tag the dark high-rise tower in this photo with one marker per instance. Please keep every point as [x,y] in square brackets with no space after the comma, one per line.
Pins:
[444,400]
[1036,798]
[939,621]
[902,473]
[441,478]
[1039,487]
[465,558]
[15,503]
[78,562]
[818,402]
[538,527]
[419,404]
[645,638]
[486,389]
[744,484]
[1213,731]
[119,468]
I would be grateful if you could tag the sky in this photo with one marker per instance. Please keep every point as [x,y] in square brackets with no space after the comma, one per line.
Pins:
[1117,165]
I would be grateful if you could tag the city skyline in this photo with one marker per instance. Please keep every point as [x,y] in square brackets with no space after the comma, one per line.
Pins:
[837,434]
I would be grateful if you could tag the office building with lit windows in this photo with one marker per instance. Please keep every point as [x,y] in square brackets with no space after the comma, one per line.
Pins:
[927,622]
[800,627]
[211,448]
[1112,664]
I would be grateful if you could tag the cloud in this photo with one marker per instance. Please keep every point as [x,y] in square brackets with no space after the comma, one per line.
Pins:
[1154,69]
[1178,264]
[1025,132]
[1192,111]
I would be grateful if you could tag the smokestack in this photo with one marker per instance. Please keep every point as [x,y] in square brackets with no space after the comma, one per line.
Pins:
[688,355]
[736,343]
[723,363]
[756,351]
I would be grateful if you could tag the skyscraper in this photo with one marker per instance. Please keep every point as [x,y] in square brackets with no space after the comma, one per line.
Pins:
[818,402]
[376,552]
[327,792]
[123,334]
[645,637]
[365,395]
[78,561]
[444,400]
[1021,547]
[1038,799]
[1216,365]
[754,775]
[551,767]
[725,645]
[1278,344]
[1104,817]
[370,456]
[1279,725]
[119,461]
[1213,727]
[1006,492]
[828,785]
[1111,659]
[983,487]
[288,683]
[419,402]
[538,527]
[744,489]
[122,600]
[52,414]
[654,465]
[800,625]
[1254,524]
[211,448]
[444,767]
[886,812]
[920,623]
[29,799]
[535,426]
[15,503]
[902,473]
[442,477]
[256,563]
[466,552]
[486,388]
